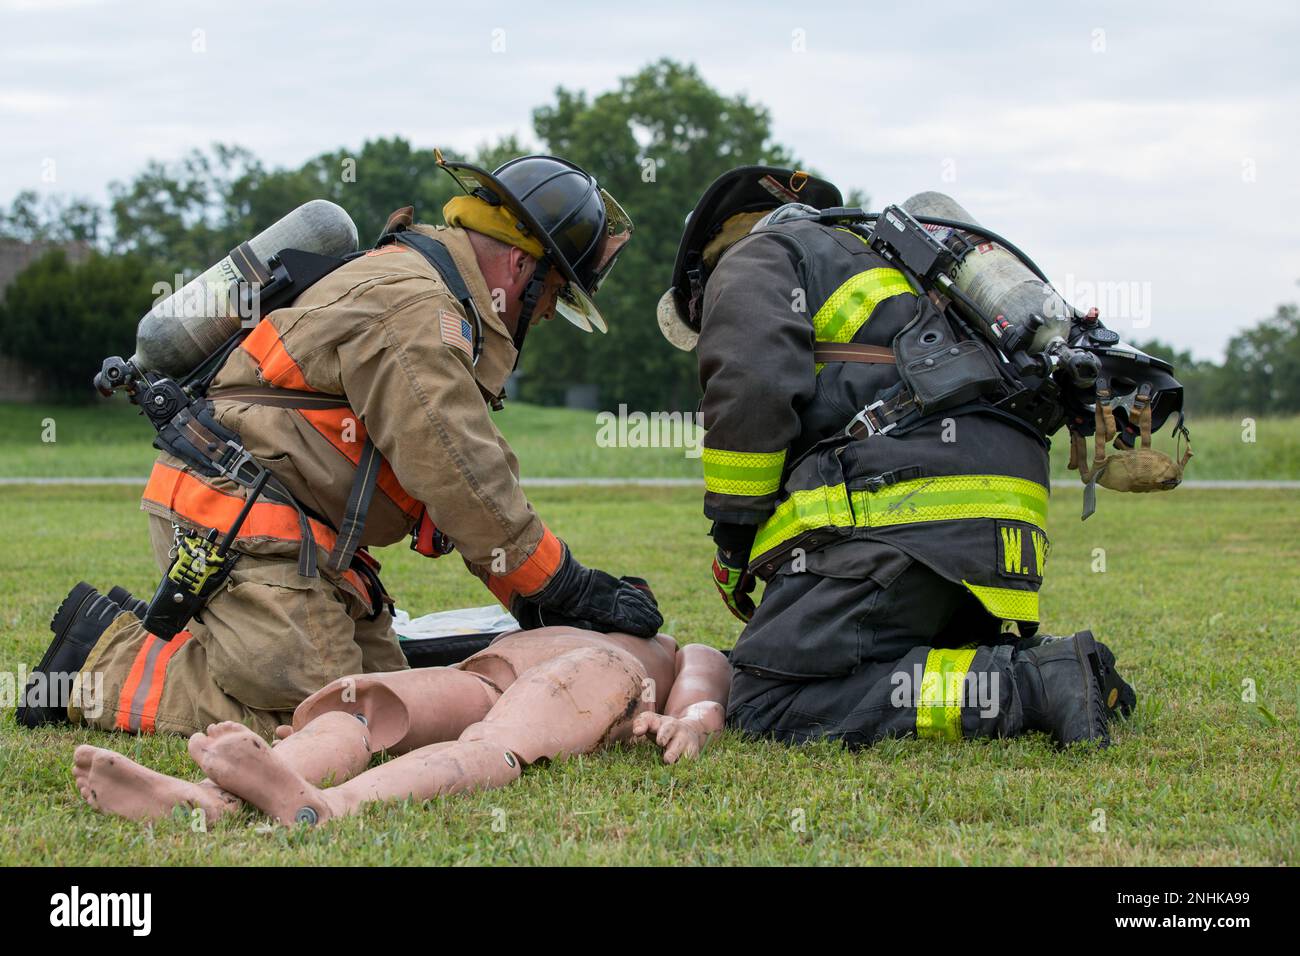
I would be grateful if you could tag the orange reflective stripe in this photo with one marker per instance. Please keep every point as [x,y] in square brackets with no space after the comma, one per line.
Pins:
[331,423]
[278,369]
[133,678]
[157,677]
[275,364]
[357,581]
[205,507]
[533,572]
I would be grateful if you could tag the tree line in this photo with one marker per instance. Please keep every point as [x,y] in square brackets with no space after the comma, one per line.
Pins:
[654,141]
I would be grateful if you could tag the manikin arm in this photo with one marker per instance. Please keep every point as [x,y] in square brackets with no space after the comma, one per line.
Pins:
[696,707]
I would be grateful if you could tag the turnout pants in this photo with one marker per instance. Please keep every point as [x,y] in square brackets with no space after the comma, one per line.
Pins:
[869,643]
[267,641]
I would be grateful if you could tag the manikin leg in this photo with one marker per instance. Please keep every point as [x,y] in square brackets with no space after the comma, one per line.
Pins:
[574,703]
[404,709]
[335,747]
[112,783]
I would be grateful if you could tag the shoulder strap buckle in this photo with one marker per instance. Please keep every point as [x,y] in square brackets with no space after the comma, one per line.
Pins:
[865,424]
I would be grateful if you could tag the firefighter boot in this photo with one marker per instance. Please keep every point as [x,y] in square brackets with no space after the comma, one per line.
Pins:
[128,601]
[77,624]
[1060,685]
[1119,695]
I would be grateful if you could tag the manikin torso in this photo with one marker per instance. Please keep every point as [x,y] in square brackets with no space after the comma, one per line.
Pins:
[515,652]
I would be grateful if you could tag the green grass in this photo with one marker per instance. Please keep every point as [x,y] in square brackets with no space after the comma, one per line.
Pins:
[1198,596]
[109,439]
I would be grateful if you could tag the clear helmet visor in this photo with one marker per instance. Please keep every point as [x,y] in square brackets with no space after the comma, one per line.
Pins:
[575,303]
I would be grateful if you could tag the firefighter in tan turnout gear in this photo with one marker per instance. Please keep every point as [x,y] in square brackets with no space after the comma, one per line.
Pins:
[895,542]
[367,400]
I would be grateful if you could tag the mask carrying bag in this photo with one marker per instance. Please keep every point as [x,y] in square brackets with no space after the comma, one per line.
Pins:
[1137,470]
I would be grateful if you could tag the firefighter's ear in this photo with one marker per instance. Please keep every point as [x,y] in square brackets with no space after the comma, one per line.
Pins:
[521,264]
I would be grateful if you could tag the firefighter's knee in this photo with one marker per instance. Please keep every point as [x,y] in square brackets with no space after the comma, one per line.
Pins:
[273,637]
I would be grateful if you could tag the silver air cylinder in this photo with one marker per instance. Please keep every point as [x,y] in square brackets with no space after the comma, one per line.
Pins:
[997,281]
[189,325]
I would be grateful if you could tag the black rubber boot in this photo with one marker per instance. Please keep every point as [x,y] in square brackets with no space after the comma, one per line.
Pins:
[1119,696]
[1060,685]
[128,601]
[77,624]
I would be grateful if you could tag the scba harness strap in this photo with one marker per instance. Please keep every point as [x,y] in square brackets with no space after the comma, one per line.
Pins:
[197,438]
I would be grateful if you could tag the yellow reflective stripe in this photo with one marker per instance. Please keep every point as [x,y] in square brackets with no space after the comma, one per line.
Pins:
[804,511]
[850,306]
[748,474]
[953,497]
[938,707]
[945,498]
[1008,604]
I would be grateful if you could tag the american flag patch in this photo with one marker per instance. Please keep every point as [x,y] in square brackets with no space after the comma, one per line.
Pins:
[456,332]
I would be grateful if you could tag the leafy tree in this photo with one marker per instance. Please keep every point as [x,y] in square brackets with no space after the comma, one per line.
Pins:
[53,219]
[174,213]
[61,318]
[188,214]
[1261,373]
[383,176]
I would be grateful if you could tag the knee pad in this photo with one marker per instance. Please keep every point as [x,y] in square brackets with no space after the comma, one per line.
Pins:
[378,706]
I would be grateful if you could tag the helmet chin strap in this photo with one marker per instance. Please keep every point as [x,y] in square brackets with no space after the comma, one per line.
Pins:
[532,292]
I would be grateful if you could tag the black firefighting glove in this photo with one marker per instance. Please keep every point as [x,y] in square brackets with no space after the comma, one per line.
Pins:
[735,584]
[731,574]
[590,599]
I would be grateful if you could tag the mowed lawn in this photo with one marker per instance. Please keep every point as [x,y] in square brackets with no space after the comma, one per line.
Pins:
[1198,596]
[109,439]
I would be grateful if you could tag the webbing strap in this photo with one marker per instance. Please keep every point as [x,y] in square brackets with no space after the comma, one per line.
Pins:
[280,397]
[250,266]
[824,352]
[438,257]
[354,515]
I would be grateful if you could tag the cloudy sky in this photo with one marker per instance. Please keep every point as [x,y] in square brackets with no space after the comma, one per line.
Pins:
[1146,154]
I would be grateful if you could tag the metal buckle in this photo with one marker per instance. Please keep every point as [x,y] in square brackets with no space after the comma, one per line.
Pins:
[868,421]
[233,461]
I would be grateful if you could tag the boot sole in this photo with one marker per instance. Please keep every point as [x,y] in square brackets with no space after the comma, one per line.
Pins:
[1119,695]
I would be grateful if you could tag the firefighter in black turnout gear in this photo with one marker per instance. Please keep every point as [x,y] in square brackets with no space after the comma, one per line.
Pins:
[897,553]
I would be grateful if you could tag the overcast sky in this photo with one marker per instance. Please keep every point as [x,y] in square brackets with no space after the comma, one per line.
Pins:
[1145,154]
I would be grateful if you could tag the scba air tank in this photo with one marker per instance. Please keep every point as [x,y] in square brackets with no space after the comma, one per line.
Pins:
[994,278]
[189,325]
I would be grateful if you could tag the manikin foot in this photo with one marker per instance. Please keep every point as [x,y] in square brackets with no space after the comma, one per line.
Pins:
[112,783]
[238,760]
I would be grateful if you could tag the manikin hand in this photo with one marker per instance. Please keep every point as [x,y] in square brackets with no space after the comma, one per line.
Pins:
[677,736]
